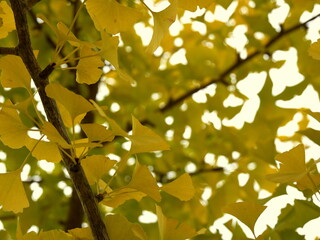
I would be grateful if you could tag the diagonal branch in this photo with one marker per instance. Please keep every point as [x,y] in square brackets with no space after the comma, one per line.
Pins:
[75,170]
[221,78]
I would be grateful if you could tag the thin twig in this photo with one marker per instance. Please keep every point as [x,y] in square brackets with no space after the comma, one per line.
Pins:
[221,78]
[8,51]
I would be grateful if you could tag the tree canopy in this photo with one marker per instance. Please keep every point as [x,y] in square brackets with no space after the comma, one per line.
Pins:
[132,119]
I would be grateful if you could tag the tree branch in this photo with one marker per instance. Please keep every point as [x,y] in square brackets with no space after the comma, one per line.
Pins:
[75,170]
[221,78]
[8,51]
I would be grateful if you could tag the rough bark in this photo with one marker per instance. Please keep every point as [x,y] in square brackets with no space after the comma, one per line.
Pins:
[40,78]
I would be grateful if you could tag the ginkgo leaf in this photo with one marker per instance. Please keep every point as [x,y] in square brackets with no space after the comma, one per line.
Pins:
[83,145]
[74,103]
[192,5]
[27,236]
[66,117]
[246,212]
[181,187]
[144,139]
[44,150]
[65,34]
[314,50]
[293,169]
[97,132]
[143,181]
[52,133]
[55,235]
[109,48]
[96,166]
[17,78]
[109,15]
[7,23]
[89,66]
[292,166]
[119,196]
[162,21]
[315,115]
[172,229]
[12,194]
[4,235]
[119,228]
[81,233]
[13,132]
[118,131]
[109,52]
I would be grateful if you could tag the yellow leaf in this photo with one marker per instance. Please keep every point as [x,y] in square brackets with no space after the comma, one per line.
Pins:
[53,135]
[111,16]
[81,233]
[314,50]
[143,181]
[17,78]
[66,117]
[7,23]
[97,132]
[181,188]
[119,196]
[192,5]
[96,166]
[44,150]
[109,48]
[144,139]
[246,212]
[12,194]
[66,35]
[83,145]
[54,235]
[13,132]
[171,229]
[119,228]
[292,166]
[162,21]
[118,131]
[26,236]
[315,115]
[109,51]
[74,103]
[88,68]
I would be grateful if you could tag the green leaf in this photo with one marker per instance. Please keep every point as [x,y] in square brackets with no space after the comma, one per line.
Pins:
[293,217]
